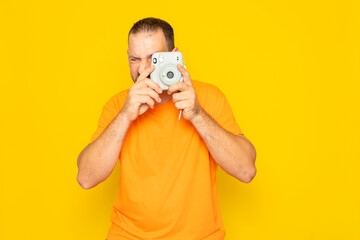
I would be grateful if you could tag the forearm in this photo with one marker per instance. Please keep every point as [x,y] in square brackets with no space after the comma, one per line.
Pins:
[234,154]
[98,159]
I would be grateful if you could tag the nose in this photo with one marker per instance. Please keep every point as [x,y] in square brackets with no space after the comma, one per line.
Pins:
[144,64]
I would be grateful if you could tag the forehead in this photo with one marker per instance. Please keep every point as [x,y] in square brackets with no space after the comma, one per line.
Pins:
[144,43]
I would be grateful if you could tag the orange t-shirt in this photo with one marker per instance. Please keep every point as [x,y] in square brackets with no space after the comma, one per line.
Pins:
[167,187]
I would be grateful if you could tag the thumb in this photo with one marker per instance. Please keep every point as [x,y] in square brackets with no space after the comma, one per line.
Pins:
[143,108]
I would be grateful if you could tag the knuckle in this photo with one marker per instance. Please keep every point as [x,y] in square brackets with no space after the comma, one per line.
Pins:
[149,82]
[136,85]
[175,86]
[143,81]
[154,94]
[143,98]
[154,84]
[139,78]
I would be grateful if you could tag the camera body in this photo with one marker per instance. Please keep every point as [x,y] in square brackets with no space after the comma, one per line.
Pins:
[166,71]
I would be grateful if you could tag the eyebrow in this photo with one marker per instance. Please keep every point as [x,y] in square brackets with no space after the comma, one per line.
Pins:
[140,58]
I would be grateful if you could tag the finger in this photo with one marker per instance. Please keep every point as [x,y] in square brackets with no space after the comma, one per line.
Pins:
[180,96]
[151,84]
[185,74]
[146,99]
[143,108]
[178,86]
[145,73]
[181,105]
[149,92]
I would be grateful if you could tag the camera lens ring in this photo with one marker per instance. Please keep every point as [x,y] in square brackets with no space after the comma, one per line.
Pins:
[165,70]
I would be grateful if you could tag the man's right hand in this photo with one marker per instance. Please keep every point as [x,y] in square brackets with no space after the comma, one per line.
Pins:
[142,95]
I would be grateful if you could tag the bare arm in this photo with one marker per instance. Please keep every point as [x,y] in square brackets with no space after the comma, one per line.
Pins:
[234,153]
[98,159]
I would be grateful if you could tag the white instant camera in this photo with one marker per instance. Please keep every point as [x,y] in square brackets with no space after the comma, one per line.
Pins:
[166,71]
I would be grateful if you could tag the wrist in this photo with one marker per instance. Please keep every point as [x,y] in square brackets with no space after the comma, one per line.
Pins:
[198,117]
[123,118]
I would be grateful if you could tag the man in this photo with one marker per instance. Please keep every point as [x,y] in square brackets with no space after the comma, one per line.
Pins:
[167,188]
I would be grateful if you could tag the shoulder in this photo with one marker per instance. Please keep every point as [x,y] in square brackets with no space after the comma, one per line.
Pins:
[207,92]
[210,98]
[120,96]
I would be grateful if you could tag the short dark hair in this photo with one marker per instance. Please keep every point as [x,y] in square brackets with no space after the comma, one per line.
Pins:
[151,24]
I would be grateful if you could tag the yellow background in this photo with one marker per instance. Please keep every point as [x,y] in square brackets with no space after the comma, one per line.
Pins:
[290,70]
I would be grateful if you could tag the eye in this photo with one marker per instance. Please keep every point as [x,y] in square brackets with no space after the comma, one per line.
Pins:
[134,60]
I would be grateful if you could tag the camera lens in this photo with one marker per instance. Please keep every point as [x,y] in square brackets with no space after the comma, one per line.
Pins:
[170,74]
[154,60]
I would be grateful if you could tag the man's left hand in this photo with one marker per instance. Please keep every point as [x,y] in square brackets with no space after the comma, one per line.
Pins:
[184,97]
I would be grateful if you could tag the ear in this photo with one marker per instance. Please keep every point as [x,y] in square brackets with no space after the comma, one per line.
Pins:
[175,49]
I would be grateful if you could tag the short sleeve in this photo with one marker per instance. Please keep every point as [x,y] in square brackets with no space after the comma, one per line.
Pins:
[224,115]
[107,115]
